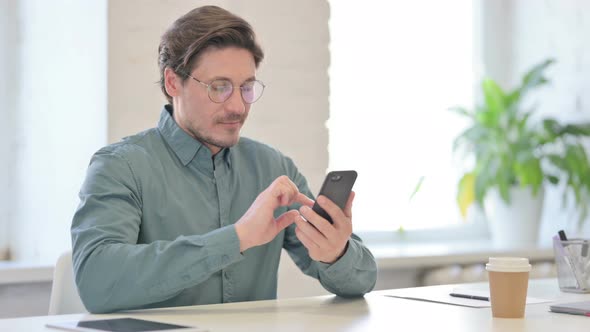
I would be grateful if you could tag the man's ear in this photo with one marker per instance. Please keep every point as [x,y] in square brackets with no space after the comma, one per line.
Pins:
[172,82]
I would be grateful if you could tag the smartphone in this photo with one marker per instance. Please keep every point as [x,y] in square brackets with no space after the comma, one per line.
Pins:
[337,187]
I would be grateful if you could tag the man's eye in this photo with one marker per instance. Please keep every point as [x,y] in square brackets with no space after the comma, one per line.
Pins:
[248,86]
[220,86]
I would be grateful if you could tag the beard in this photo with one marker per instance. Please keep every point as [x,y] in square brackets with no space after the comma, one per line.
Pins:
[217,142]
[228,140]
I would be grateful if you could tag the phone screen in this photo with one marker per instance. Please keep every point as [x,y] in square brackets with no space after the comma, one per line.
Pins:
[337,187]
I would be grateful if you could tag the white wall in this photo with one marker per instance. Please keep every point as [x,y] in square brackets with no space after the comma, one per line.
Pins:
[558,29]
[494,40]
[61,119]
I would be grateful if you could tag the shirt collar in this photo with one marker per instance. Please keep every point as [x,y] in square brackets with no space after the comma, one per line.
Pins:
[184,146]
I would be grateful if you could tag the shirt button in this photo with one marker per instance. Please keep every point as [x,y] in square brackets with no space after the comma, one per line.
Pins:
[224,274]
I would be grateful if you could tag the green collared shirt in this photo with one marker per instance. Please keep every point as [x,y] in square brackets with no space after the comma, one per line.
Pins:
[155,226]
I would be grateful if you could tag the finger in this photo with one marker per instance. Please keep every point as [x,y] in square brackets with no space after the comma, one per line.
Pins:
[291,184]
[283,192]
[332,209]
[297,196]
[292,189]
[287,186]
[303,200]
[286,219]
[307,242]
[311,232]
[286,198]
[321,224]
[348,206]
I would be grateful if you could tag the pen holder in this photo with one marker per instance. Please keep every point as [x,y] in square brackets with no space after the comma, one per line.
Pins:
[573,264]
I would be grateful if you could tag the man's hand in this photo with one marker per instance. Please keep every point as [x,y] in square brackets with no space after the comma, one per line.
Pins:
[326,242]
[258,225]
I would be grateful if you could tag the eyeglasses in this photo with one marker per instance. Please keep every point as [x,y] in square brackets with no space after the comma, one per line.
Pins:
[220,90]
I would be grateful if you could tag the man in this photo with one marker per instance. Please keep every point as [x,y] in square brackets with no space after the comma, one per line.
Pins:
[190,213]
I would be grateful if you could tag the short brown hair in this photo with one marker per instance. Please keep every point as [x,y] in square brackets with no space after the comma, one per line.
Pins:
[196,31]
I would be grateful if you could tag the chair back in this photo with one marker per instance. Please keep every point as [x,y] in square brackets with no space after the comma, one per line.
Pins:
[64,294]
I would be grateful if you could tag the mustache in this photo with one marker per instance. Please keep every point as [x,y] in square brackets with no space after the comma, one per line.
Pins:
[233,117]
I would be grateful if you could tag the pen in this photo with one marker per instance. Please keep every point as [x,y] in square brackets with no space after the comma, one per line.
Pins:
[473,297]
[562,236]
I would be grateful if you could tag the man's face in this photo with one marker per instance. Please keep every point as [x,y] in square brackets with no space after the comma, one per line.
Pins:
[217,125]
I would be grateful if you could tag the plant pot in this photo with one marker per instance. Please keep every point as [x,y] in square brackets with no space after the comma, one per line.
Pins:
[516,224]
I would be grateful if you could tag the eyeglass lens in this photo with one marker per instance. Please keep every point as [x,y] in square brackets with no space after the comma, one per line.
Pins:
[221,90]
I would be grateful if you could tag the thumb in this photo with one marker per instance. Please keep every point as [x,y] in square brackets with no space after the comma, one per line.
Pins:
[286,219]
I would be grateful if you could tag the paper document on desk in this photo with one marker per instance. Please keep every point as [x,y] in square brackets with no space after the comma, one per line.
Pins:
[440,294]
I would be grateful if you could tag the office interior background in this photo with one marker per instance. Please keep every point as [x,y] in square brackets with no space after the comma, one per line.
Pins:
[350,85]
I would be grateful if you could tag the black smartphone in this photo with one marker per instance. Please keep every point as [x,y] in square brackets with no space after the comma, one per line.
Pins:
[336,187]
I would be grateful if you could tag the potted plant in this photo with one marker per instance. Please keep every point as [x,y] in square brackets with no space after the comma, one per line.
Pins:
[515,156]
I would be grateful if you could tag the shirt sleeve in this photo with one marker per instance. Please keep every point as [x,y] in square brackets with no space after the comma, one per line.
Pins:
[353,274]
[112,271]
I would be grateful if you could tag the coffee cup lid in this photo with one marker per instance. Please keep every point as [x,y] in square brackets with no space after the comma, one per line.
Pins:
[508,264]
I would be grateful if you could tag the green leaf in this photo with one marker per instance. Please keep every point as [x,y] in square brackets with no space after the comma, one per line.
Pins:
[486,173]
[513,98]
[461,111]
[552,130]
[578,153]
[417,187]
[552,126]
[534,77]
[470,136]
[576,130]
[522,123]
[577,191]
[529,173]
[564,197]
[572,160]
[481,187]
[558,162]
[494,98]
[504,188]
[576,166]
[487,119]
[552,179]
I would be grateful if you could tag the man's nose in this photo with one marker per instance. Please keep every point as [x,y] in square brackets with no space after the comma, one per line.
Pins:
[235,103]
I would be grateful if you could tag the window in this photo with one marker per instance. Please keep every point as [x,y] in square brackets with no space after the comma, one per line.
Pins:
[55,117]
[396,67]
[8,100]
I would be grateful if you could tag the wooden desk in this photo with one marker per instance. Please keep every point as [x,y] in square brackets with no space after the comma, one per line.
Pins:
[374,312]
